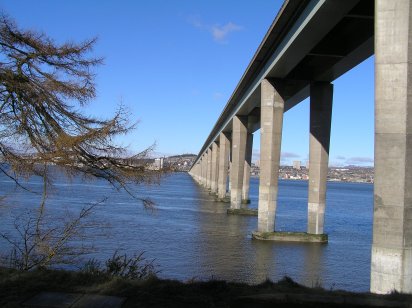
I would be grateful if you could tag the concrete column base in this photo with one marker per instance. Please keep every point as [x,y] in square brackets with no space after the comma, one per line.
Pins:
[243,212]
[224,199]
[235,198]
[316,217]
[301,237]
[388,272]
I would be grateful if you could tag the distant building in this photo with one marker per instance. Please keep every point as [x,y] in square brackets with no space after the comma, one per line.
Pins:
[158,163]
[296,164]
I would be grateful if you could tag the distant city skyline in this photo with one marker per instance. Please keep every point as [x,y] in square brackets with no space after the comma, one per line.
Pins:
[175,65]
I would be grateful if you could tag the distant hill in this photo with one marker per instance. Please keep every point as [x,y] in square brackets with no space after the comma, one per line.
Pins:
[182,156]
[181,162]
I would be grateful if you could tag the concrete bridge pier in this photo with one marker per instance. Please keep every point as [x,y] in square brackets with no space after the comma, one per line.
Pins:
[215,167]
[194,172]
[198,172]
[204,163]
[224,149]
[202,170]
[321,97]
[230,169]
[391,267]
[271,110]
[247,168]
[199,177]
[239,139]
[209,169]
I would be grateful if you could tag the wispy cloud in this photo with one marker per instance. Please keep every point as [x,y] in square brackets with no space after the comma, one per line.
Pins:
[340,161]
[217,95]
[359,161]
[284,156]
[221,32]
[218,32]
[289,155]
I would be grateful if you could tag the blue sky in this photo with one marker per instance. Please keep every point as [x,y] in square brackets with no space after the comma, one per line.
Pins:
[174,64]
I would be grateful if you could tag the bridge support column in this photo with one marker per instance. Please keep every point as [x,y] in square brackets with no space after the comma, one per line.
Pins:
[198,171]
[246,172]
[271,119]
[215,167]
[194,172]
[203,171]
[209,169]
[239,136]
[391,267]
[321,96]
[206,167]
[224,146]
[230,168]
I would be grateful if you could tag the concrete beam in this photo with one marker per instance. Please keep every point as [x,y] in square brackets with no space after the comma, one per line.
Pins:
[239,138]
[391,267]
[272,107]
[224,146]
[321,97]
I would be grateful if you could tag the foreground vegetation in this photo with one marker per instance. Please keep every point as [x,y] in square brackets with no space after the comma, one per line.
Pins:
[18,286]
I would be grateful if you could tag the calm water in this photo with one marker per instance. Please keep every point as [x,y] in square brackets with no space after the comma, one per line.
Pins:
[190,235]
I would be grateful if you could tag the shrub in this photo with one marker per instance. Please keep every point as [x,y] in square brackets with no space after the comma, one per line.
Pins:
[136,267]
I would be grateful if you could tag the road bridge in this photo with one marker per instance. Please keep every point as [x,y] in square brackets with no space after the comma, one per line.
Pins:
[308,46]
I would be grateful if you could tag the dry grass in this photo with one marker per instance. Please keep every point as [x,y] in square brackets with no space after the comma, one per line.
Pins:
[17,286]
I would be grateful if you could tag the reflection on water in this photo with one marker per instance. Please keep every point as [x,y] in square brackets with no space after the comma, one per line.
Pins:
[190,234]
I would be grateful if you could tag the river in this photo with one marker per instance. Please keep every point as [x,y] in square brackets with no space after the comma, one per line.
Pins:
[190,236]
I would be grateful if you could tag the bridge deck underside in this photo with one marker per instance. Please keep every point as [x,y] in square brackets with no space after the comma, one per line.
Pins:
[321,58]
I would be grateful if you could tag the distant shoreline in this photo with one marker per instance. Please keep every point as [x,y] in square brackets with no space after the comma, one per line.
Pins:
[304,180]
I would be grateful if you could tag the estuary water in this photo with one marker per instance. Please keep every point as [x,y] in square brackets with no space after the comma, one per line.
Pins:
[190,236]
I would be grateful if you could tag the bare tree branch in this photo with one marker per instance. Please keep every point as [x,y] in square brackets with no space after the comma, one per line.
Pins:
[42,86]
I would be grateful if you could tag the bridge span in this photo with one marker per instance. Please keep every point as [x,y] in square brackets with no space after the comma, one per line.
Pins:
[308,46]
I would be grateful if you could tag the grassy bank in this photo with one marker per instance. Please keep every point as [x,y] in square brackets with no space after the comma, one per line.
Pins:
[17,286]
